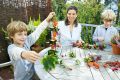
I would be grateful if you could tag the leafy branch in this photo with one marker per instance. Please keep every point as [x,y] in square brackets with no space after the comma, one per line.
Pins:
[50,61]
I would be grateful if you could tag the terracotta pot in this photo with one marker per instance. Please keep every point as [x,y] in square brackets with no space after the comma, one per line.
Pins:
[115,49]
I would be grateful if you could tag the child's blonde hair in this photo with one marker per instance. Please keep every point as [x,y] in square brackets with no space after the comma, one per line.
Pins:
[14,27]
[108,15]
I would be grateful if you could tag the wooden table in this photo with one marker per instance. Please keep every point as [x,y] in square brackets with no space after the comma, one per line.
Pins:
[79,72]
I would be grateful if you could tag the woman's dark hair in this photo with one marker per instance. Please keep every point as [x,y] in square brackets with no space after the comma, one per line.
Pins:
[66,20]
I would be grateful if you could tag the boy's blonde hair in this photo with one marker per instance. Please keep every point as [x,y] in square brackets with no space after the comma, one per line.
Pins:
[14,27]
[108,15]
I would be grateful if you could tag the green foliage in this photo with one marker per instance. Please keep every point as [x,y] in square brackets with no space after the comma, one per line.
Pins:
[87,59]
[89,11]
[31,27]
[5,33]
[86,34]
[52,52]
[49,61]
[77,61]
[118,16]
[42,38]
[33,24]
[72,54]
[58,7]
[86,46]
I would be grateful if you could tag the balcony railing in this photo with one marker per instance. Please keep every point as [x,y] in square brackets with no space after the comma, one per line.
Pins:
[92,25]
[88,30]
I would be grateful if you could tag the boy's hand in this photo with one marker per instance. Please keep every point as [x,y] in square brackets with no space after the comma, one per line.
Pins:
[31,56]
[79,43]
[50,16]
[100,39]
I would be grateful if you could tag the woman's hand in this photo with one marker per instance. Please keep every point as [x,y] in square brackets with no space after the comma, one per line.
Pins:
[50,16]
[77,43]
[31,56]
[100,39]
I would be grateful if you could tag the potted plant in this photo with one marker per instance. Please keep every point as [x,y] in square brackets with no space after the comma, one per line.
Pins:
[115,42]
[39,44]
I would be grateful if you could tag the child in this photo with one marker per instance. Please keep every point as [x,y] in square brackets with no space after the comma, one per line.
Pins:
[19,51]
[105,32]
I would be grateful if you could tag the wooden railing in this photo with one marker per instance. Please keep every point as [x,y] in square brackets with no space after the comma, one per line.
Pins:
[87,26]
[94,26]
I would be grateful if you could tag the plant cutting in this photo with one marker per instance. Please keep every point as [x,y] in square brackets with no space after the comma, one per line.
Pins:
[50,60]
[115,42]
[114,65]
[92,61]
[72,54]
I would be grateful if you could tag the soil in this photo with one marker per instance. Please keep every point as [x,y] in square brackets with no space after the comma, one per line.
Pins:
[6,73]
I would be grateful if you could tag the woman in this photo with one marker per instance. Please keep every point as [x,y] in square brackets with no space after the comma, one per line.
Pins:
[70,30]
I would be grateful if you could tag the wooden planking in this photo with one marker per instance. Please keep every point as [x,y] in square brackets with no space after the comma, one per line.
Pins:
[112,74]
[105,74]
[117,73]
[96,74]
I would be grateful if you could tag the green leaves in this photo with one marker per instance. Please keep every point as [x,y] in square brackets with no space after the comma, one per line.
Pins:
[58,7]
[32,25]
[88,59]
[77,61]
[49,61]
[72,54]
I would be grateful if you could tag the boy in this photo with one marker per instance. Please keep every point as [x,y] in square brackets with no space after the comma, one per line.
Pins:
[105,32]
[19,51]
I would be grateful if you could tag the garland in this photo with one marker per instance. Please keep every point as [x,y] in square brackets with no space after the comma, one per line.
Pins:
[50,60]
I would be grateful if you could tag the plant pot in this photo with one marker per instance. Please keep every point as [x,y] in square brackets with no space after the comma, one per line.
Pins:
[37,48]
[115,49]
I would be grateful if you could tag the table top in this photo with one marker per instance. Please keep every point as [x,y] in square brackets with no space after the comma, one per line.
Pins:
[78,72]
